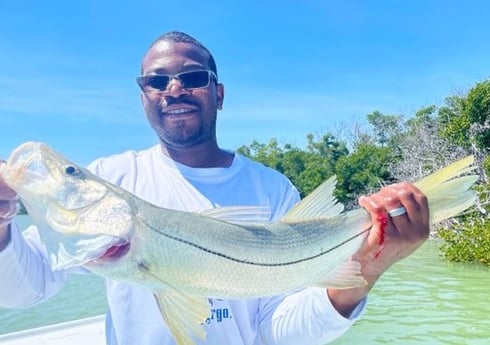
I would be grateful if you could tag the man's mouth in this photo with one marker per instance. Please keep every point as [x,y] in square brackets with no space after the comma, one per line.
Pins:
[175,111]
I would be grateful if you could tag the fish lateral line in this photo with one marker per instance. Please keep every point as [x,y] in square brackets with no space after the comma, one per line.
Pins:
[248,262]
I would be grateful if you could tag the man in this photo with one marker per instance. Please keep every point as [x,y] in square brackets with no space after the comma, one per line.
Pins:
[188,171]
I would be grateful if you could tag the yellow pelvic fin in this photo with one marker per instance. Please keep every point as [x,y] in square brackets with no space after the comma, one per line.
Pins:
[184,315]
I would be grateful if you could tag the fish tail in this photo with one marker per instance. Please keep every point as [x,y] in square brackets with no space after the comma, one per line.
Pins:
[447,194]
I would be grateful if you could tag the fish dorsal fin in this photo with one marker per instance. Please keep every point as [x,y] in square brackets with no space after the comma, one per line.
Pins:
[320,203]
[239,214]
[184,315]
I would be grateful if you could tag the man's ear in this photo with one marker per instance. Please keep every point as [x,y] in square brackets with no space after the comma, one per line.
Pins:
[220,95]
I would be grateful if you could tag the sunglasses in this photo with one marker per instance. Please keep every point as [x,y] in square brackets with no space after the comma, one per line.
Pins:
[189,80]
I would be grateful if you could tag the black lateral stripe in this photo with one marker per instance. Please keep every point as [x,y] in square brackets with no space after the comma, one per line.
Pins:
[247,262]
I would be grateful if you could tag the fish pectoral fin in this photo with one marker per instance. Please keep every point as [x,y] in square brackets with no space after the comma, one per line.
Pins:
[239,214]
[184,315]
[348,275]
[319,204]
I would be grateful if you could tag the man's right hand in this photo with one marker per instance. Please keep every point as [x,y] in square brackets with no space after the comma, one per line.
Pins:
[8,210]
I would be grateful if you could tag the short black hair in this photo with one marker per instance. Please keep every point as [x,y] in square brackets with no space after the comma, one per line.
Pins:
[182,37]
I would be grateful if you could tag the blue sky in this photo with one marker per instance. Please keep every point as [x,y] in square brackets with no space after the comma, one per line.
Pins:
[290,68]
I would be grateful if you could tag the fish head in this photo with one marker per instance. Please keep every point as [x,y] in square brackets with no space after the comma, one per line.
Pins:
[80,216]
[43,178]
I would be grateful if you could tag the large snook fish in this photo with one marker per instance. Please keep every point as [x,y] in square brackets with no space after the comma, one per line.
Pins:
[181,257]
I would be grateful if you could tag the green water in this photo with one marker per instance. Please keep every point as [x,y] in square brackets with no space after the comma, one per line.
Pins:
[421,300]
[424,300]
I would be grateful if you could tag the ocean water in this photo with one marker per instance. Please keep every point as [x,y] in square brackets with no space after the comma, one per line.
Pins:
[420,300]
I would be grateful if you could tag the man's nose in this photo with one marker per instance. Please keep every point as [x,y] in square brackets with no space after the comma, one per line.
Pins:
[174,90]
[175,85]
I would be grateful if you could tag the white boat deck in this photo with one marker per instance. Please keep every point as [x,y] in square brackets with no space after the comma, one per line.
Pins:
[79,332]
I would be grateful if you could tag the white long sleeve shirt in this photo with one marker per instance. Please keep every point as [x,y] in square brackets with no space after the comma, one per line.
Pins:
[304,317]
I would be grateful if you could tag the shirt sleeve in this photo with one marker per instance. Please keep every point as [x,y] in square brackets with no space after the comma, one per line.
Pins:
[305,317]
[26,275]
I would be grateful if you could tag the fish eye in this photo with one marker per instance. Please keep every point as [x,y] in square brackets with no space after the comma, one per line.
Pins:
[72,170]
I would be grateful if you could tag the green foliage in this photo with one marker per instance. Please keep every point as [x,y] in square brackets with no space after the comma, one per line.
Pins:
[465,118]
[464,121]
[363,171]
[269,154]
[454,126]
[386,128]
[468,239]
[423,117]
[478,102]
[471,242]
[307,169]
[486,165]
[477,110]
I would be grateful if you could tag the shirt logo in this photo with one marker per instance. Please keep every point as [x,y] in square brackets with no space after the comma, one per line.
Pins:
[217,314]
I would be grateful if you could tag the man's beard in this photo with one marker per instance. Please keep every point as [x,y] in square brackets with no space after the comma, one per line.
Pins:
[181,137]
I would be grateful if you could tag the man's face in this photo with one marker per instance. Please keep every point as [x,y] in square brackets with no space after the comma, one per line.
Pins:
[181,117]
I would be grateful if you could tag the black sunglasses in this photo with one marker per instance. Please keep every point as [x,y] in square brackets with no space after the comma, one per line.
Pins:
[189,80]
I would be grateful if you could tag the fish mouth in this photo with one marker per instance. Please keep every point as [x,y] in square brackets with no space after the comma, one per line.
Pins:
[115,252]
[21,162]
[29,164]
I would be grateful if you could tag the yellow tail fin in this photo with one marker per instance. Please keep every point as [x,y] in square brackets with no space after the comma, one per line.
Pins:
[449,195]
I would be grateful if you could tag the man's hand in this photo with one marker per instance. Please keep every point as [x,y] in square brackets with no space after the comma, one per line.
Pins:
[390,238]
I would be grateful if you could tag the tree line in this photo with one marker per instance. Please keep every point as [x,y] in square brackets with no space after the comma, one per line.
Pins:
[386,148]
